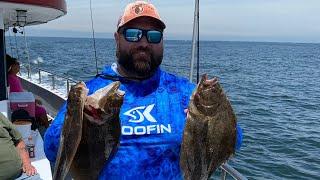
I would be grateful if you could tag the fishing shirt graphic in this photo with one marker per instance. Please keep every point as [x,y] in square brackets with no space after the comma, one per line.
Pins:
[141,116]
[141,122]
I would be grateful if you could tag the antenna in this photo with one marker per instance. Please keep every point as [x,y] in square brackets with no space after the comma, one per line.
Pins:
[94,40]
[198,43]
[195,42]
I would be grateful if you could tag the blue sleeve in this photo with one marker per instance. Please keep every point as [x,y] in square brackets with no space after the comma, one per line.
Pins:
[239,137]
[52,135]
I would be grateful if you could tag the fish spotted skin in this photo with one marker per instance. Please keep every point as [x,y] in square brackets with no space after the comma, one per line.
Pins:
[100,133]
[210,132]
[72,130]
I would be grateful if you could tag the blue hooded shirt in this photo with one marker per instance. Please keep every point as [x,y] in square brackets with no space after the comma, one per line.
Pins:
[152,121]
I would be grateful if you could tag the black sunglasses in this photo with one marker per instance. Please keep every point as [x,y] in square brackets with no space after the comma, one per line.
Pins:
[135,35]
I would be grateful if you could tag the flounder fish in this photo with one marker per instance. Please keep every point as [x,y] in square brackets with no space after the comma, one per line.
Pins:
[90,133]
[209,135]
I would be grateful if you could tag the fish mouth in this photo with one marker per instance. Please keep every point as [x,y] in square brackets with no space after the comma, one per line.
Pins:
[208,95]
[93,114]
[103,104]
[99,116]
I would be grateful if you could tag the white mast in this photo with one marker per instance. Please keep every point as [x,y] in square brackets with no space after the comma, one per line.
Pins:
[195,42]
[3,69]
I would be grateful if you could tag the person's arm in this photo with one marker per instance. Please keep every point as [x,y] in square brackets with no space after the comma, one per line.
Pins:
[26,163]
[239,137]
[20,145]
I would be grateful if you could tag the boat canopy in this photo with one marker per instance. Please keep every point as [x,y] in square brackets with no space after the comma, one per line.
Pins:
[20,13]
[31,12]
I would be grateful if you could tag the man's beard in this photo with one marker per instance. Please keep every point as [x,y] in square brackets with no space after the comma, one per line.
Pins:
[140,62]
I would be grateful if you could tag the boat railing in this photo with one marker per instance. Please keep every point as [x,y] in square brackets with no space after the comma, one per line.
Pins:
[53,80]
[226,170]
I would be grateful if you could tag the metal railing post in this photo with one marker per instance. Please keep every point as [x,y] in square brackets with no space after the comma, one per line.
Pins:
[39,71]
[29,71]
[51,76]
[53,82]
[223,174]
[226,168]
[68,86]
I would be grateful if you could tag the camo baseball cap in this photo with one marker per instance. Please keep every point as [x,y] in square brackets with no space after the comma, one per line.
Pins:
[139,9]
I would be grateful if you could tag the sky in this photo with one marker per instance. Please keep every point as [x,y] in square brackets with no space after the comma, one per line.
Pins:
[220,20]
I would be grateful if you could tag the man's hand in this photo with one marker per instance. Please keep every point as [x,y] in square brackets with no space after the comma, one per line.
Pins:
[26,163]
[29,169]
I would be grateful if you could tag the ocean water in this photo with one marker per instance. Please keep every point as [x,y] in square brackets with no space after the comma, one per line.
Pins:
[274,89]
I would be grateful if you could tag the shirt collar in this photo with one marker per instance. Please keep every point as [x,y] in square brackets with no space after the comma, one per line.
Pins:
[139,88]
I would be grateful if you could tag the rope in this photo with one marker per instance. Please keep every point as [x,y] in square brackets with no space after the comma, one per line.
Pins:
[94,40]
[27,52]
[10,42]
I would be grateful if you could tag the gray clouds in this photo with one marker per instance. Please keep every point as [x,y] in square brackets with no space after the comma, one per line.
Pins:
[252,20]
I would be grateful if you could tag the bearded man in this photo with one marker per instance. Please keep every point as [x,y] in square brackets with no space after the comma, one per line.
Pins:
[152,115]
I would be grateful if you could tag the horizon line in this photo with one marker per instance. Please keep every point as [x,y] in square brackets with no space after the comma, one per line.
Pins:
[181,39]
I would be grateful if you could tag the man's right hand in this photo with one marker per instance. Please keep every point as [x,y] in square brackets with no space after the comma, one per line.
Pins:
[29,169]
[26,163]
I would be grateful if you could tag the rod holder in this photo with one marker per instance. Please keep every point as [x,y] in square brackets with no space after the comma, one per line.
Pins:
[53,82]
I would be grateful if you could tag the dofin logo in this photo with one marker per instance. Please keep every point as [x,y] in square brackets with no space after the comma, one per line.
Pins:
[138,9]
[139,114]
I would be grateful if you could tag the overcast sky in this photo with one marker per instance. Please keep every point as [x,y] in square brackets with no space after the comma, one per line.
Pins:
[244,20]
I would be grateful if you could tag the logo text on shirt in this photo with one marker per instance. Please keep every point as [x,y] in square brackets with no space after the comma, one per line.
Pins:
[138,115]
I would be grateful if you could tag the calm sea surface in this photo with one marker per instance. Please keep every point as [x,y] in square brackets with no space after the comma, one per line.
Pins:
[274,89]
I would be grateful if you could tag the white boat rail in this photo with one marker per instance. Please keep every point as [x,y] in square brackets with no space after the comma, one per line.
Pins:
[53,78]
[226,169]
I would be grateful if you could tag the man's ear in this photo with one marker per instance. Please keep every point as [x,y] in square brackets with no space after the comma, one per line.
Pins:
[116,36]
[117,39]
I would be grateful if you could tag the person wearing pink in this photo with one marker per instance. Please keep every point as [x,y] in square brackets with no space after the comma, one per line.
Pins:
[13,67]
[15,85]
